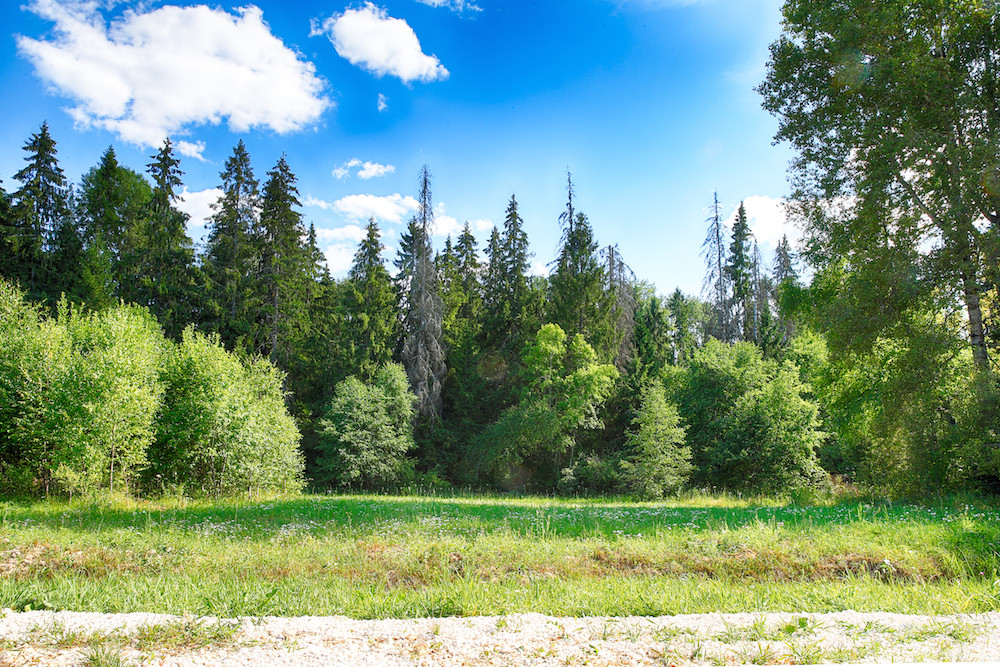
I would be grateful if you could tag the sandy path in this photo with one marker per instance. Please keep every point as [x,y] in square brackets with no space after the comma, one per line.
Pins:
[73,638]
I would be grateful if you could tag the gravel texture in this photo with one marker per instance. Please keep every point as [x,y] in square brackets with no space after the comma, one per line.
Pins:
[76,638]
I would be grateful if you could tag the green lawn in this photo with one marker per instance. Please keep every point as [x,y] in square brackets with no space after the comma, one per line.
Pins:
[378,556]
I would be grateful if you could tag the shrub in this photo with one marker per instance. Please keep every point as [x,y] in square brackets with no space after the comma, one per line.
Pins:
[750,424]
[565,387]
[77,396]
[367,431]
[224,427]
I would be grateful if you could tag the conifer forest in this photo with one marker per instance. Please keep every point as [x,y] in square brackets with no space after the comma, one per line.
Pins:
[866,354]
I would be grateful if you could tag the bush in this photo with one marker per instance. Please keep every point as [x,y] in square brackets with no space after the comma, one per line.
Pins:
[750,424]
[77,396]
[367,431]
[565,387]
[224,427]
[116,392]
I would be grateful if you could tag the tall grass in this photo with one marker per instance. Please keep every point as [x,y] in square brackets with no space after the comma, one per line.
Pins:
[397,556]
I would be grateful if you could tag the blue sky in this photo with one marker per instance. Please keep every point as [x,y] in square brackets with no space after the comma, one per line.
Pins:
[649,103]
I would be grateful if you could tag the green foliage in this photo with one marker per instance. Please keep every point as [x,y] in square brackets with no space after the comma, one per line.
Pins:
[660,461]
[750,424]
[233,253]
[367,431]
[565,388]
[371,306]
[77,396]
[224,427]
[117,391]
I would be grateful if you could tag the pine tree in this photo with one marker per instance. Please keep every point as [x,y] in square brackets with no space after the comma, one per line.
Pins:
[283,266]
[717,285]
[784,275]
[232,256]
[739,271]
[621,291]
[371,307]
[423,353]
[112,204]
[161,255]
[68,277]
[579,302]
[41,205]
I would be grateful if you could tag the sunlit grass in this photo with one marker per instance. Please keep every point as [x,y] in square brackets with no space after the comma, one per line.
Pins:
[383,556]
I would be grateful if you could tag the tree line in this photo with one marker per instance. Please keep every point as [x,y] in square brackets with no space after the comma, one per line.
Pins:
[459,367]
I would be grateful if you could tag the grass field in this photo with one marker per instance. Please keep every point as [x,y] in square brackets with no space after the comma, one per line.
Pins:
[381,557]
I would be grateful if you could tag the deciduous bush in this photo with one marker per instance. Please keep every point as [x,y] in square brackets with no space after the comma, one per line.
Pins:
[750,424]
[224,427]
[565,386]
[367,431]
[78,395]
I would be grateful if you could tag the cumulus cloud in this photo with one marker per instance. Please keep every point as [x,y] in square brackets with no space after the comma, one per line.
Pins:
[457,6]
[347,233]
[389,208]
[339,257]
[194,149]
[149,74]
[198,206]
[365,170]
[767,219]
[482,225]
[373,40]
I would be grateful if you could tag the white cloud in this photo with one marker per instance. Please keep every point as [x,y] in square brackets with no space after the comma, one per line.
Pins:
[383,102]
[347,233]
[390,208]
[374,170]
[539,269]
[198,206]
[194,150]
[767,219]
[365,170]
[373,40]
[457,6]
[482,225]
[313,202]
[153,73]
[339,257]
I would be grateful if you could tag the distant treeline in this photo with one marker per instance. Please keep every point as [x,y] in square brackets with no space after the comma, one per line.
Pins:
[131,362]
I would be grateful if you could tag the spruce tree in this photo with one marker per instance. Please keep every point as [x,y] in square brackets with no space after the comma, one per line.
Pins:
[371,307]
[232,255]
[7,236]
[621,292]
[423,353]
[739,271]
[717,285]
[68,275]
[41,205]
[784,276]
[579,302]
[282,266]
[160,255]
[112,203]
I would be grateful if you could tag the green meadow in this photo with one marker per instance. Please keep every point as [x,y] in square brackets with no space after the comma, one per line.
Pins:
[370,556]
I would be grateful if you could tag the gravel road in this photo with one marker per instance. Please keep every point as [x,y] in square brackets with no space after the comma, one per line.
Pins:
[75,638]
